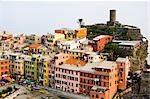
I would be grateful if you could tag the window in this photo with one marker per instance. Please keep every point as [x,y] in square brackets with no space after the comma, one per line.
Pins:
[97,96]
[120,74]
[76,85]
[121,69]
[104,84]
[92,96]
[76,73]
[76,79]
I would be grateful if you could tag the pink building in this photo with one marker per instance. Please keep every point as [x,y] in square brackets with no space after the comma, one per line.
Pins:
[67,75]
[58,59]
[5,36]
[19,40]
[67,78]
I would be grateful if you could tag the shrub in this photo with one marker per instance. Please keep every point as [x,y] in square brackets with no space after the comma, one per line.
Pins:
[1,94]
[4,91]
[9,89]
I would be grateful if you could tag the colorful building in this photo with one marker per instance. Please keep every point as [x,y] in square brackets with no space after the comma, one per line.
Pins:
[80,33]
[4,67]
[100,42]
[43,67]
[123,69]
[5,36]
[18,68]
[18,40]
[99,79]
[33,39]
[36,49]
[67,75]
[6,42]
[31,67]
[69,34]
[53,37]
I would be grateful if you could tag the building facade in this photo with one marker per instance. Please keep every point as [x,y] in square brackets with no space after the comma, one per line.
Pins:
[4,67]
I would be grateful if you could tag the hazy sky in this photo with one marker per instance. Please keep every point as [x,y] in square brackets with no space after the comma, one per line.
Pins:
[43,17]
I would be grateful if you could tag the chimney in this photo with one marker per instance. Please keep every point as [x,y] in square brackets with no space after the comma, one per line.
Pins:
[112,15]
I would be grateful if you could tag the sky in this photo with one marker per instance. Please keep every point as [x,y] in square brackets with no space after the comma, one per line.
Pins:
[42,17]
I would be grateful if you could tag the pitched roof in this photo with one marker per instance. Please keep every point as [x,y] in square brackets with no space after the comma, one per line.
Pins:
[34,46]
[73,61]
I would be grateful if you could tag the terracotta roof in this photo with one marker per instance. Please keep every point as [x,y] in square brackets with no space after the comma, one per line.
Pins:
[34,46]
[73,61]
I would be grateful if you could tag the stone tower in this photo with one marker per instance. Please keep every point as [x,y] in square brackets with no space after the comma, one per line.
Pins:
[112,20]
[112,15]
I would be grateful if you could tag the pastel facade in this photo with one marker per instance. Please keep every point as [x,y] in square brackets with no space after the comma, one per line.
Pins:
[67,78]
[67,75]
[36,49]
[17,68]
[5,41]
[4,67]
[31,67]
[19,48]
[5,36]
[53,37]
[33,39]
[15,65]
[69,34]
[5,46]
[18,40]
[99,79]
[43,69]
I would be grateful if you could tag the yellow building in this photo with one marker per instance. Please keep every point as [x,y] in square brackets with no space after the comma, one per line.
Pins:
[55,36]
[43,69]
[31,67]
[17,68]
[45,72]
[74,53]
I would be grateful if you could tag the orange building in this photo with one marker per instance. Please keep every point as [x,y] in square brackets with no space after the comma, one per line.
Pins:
[81,33]
[123,69]
[99,80]
[4,67]
[100,42]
